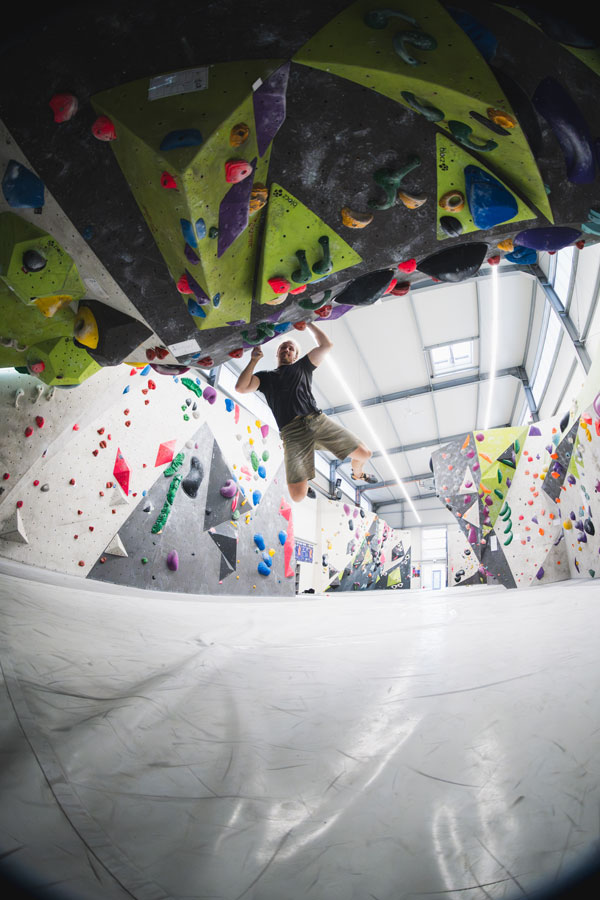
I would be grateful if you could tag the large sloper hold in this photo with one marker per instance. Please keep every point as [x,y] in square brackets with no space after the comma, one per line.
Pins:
[489,202]
[294,245]
[366,289]
[555,104]
[444,70]
[269,100]
[35,267]
[118,334]
[454,264]
[184,190]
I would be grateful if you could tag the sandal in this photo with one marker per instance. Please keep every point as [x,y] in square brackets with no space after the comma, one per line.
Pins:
[369,479]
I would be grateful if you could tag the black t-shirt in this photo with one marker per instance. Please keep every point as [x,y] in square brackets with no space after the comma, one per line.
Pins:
[287,390]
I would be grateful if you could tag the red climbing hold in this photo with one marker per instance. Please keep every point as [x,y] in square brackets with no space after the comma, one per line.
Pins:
[151,385]
[299,326]
[161,352]
[324,312]
[494,260]
[28,431]
[19,504]
[37,367]
[401,289]
[299,290]
[206,362]
[236,354]
[72,481]
[121,471]
[279,285]
[236,170]
[39,421]
[103,129]
[150,354]
[409,266]
[64,107]
[165,454]
[580,244]
[167,181]
[391,286]
[183,285]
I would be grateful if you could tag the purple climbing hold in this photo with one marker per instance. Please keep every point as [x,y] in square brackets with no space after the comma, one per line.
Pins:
[472,535]
[479,437]
[571,479]
[556,105]
[339,310]
[173,560]
[270,106]
[540,573]
[534,431]
[191,255]
[547,239]
[234,211]
[209,394]
[346,509]
[201,296]
[535,519]
[596,404]
[229,489]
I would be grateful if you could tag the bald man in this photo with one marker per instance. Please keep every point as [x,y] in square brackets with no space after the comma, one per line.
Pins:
[303,427]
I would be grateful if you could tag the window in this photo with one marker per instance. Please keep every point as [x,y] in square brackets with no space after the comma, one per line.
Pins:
[433,544]
[562,275]
[548,350]
[451,358]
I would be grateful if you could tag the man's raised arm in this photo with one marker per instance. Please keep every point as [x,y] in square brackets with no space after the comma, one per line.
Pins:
[248,382]
[324,345]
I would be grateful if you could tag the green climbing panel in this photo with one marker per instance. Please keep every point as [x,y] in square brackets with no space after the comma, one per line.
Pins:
[291,226]
[64,362]
[199,173]
[452,78]
[495,442]
[26,326]
[59,277]
[451,160]
[590,57]
[394,577]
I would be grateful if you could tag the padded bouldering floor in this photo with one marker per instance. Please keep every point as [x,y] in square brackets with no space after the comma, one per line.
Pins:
[387,744]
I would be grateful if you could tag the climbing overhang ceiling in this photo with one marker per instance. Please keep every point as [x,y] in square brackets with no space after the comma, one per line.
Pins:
[414,145]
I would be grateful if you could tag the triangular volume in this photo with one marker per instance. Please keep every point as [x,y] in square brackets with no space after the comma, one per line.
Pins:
[494,442]
[165,453]
[563,463]
[468,484]
[116,548]
[451,82]
[227,544]
[117,497]
[13,529]
[218,508]
[471,515]
[298,246]
[486,201]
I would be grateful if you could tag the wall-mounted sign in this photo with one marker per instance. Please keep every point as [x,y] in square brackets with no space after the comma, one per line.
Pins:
[304,552]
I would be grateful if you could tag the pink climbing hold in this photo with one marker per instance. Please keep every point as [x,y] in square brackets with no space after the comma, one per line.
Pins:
[480,436]
[103,129]
[64,107]
[165,454]
[236,414]
[409,266]
[121,471]
[264,429]
[346,509]
[237,170]
[173,560]
[596,404]
[285,509]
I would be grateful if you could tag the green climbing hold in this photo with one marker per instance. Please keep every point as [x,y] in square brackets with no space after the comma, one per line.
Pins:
[167,505]
[499,494]
[144,559]
[463,133]
[176,462]
[309,303]
[432,113]
[186,418]
[324,266]
[418,39]
[504,508]
[254,461]
[213,231]
[499,476]
[508,527]
[391,179]
[265,455]
[592,573]
[301,275]
[517,446]
[192,386]
[508,539]
[507,514]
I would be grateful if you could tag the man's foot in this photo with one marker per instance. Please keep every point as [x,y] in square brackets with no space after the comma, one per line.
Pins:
[364,476]
[311,493]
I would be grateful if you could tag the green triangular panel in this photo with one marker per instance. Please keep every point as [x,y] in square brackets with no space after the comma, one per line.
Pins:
[454,78]
[494,443]
[394,576]
[291,226]
[199,172]
[451,162]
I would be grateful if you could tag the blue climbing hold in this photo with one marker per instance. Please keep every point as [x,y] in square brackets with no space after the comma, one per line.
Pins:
[282,327]
[195,309]
[22,189]
[256,497]
[263,568]
[282,537]
[522,256]
[216,299]
[126,391]
[200,228]
[484,39]
[490,203]
[145,370]
[259,541]
[267,559]
[182,137]
[229,404]
[188,232]
[262,471]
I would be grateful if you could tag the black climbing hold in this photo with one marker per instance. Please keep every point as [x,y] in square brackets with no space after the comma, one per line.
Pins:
[367,289]
[564,421]
[454,264]
[33,261]
[193,479]
[431,463]
[451,226]
[589,526]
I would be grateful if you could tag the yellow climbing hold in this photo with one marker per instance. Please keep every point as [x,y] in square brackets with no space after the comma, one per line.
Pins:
[353,219]
[567,525]
[501,118]
[507,245]
[49,305]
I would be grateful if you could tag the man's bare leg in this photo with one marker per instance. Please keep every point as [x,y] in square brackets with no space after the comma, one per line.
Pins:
[359,457]
[298,490]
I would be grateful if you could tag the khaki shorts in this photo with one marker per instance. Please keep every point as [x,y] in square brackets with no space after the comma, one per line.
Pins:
[305,434]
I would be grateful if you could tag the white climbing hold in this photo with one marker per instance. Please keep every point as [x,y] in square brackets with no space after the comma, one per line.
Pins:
[13,529]
[116,548]
[50,393]
[20,393]
[39,390]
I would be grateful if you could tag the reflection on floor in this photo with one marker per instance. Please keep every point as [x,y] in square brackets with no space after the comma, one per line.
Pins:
[395,745]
